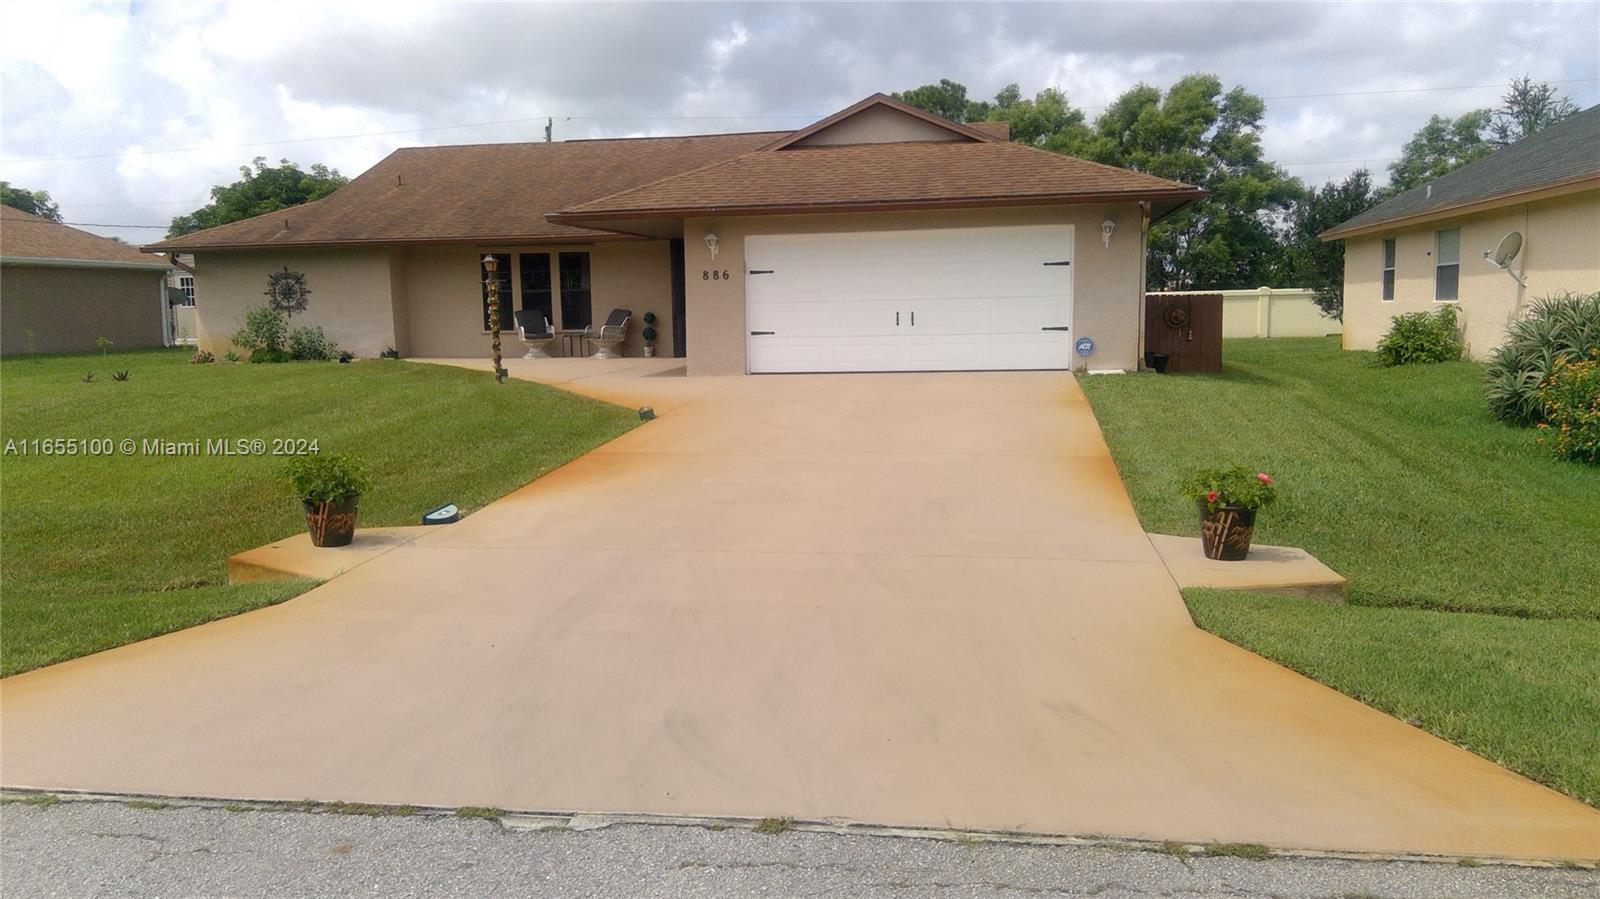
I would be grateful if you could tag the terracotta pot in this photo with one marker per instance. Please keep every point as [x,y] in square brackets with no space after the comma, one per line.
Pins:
[1225,534]
[332,523]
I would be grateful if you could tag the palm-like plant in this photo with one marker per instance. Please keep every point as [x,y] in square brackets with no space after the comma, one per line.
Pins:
[1555,328]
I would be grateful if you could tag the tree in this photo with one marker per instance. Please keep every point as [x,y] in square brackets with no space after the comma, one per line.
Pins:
[1198,134]
[260,190]
[37,202]
[1316,264]
[947,99]
[1441,146]
[1047,120]
[1525,108]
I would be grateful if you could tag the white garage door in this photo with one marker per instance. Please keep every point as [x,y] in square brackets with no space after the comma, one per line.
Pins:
[930,300]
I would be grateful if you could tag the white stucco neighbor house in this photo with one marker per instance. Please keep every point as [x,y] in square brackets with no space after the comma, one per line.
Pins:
[1431,245]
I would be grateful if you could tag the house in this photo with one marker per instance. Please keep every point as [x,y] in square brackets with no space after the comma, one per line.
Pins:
[879,238]
[62,288]
[1434,244]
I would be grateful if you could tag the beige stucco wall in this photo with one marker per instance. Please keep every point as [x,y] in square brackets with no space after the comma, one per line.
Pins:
[1561,252]
[444,303]
[67,308]
[1106,297]
[350,294]
[878,125]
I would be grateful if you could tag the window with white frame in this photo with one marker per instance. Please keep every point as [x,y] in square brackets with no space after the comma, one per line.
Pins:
[186,284]
[1388,269]
[1447,265]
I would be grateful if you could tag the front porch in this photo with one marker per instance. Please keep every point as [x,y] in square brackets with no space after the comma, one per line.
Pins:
[659,383]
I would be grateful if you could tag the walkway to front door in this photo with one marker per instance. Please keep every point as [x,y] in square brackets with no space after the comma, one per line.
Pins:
[915,599]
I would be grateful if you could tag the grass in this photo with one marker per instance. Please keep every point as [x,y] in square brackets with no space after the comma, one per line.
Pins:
[1472,612]
[773,826]
[1253,851]
[105,550]
[479,811]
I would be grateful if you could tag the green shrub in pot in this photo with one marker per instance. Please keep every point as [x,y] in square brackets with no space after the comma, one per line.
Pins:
[329,486]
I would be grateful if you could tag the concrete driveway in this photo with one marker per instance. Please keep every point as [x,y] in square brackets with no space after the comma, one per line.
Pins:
[909,599]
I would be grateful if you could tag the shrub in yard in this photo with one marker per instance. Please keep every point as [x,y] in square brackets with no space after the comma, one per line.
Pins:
[1419,338]
[1571,400]
[202,357]
[265,330]
[230,356]
[1555,328]
[308,343]
[259,356]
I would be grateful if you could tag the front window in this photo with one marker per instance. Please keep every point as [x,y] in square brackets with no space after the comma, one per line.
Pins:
[1388,269]
[534,270]
[1447,265]
[575,310]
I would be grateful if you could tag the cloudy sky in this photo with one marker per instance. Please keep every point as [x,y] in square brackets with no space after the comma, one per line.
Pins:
[129,112]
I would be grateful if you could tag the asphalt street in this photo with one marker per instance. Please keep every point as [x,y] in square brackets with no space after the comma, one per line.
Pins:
[111,849]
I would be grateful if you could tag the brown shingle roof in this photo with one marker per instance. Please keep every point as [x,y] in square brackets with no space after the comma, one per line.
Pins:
[877,175]
[477,193]
[24,236]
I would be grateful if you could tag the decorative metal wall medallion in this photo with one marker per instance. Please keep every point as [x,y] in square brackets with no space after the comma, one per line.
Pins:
[287,291]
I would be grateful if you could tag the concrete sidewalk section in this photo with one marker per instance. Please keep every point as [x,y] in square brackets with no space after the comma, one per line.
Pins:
[905,599]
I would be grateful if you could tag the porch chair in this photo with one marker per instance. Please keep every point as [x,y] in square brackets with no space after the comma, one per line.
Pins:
[535,331]
[609,338]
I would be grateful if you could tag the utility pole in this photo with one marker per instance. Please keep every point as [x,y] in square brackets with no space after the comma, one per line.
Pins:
[548,124]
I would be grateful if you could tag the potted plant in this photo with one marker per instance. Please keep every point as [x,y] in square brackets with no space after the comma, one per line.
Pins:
[329,486]
[649,334]
[1228,500]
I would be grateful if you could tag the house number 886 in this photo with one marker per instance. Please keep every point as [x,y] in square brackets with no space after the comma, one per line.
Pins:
[713,275]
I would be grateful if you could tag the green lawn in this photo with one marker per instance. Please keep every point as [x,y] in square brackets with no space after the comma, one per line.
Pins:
[1401,481]
[100,551]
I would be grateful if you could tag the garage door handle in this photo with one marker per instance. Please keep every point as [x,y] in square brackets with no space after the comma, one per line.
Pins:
[1055,328]
[761,333]
[761,271]
[1068,262]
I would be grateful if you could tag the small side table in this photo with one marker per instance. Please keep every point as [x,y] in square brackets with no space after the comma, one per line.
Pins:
[572,338]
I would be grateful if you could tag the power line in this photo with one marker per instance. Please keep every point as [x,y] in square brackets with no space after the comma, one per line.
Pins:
[670,118]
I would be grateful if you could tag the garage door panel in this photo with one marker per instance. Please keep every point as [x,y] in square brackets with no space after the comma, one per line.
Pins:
[945,299]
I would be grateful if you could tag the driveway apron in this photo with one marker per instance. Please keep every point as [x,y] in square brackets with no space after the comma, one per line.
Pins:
[918,599]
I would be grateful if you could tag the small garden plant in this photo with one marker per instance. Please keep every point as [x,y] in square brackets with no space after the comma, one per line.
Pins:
[1421,338]
[265,335]
[327,477]
[1571,400]
[1217,488]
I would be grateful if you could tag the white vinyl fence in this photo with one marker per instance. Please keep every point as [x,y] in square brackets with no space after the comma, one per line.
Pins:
[1269,312]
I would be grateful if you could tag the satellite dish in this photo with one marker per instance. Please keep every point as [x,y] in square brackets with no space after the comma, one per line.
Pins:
[1507,250]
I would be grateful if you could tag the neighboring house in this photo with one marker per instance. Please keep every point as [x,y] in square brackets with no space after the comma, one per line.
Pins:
[61,289]
[1430,245]
[880,238]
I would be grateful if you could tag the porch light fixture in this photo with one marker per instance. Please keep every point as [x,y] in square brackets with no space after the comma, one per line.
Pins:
[1106,227]
[491,264]
[711,243]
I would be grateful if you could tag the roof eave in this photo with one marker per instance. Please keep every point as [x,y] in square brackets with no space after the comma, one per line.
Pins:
[1510,198]
[67,262]
[484,240]
[573,217]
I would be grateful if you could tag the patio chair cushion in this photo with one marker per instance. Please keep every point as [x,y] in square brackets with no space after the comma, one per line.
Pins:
[618,318]
[531,323]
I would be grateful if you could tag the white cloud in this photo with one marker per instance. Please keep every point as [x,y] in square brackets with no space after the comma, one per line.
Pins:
[132,80]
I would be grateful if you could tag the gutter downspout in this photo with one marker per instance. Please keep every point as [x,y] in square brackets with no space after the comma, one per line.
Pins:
[166,312]
[1144,260]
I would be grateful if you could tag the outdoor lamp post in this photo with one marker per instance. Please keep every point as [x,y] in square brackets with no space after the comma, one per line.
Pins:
[491,284]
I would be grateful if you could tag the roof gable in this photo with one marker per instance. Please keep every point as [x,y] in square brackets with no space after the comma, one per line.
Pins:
[879,119]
